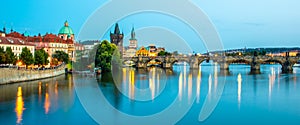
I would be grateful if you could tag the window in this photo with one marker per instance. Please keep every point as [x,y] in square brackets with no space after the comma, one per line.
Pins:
[10,40]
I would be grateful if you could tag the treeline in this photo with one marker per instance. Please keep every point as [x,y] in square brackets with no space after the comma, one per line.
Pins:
[104,55]
[39,58]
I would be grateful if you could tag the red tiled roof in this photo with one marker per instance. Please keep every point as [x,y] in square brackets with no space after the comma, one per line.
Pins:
[16,35]
[14,41]
[47,38]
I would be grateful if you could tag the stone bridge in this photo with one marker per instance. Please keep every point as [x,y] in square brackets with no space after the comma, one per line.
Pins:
[224,61]
[255,61]
[167,61]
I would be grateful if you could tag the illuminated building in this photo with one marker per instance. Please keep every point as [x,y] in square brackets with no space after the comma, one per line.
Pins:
[142,52]
[152,50]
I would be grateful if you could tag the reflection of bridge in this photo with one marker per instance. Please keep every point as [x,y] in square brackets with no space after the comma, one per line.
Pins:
[224,61]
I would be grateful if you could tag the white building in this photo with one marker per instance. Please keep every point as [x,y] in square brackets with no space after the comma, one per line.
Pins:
[16,45]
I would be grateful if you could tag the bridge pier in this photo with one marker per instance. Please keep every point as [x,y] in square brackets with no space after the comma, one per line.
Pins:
[255,67]
[194,63]
[224,66]
[287,67]
[141,65]
[167,65]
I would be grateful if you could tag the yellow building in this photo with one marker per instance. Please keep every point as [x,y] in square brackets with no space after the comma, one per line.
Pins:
[142,52]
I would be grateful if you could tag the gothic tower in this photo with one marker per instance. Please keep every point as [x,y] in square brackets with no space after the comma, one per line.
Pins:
[117,38]
[132,40]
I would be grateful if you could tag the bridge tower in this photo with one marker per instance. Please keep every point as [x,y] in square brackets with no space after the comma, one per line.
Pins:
[287,66]
[255,64]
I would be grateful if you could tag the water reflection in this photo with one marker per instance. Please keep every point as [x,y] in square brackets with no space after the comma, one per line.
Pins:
[37,97]
[47,101]
[180,85]
[272,78]
[19,105]
[198,85]
[239,80]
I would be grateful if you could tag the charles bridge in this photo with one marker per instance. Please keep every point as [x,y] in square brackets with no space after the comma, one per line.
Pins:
[194,61]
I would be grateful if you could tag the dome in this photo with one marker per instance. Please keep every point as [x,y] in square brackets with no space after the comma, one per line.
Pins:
[66,29]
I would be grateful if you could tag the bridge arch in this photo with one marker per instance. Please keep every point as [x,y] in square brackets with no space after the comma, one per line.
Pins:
[240,61]
[273,60]
[154,62]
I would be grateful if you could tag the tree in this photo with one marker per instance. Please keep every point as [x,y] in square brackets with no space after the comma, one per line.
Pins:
[104,54]
[10,56]
[163,53]
[41,57]
[26,57]
[61,56]
[2,56]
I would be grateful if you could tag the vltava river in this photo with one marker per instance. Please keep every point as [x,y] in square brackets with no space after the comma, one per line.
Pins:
[157,96]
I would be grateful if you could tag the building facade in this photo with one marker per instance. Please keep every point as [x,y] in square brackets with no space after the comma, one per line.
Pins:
[51,43]
[16,45]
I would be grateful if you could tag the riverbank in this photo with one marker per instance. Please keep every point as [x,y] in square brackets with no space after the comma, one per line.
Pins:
[13,75]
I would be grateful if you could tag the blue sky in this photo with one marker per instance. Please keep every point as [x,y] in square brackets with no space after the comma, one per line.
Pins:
[250,23]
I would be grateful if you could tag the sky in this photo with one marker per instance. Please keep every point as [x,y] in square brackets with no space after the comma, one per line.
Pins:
[247,23]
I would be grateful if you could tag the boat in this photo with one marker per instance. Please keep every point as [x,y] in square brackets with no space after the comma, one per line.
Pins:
[297,64]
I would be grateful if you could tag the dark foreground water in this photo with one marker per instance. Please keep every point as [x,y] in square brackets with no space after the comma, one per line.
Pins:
[206,96]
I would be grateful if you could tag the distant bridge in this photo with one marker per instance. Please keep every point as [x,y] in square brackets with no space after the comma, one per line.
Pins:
[194,61]
[167,61]
[255,61]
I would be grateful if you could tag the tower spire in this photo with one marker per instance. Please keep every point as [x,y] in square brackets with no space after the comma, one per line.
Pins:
[132,33]
[117,29]
[66,23]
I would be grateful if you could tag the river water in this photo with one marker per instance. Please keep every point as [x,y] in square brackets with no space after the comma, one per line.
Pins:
[180,96]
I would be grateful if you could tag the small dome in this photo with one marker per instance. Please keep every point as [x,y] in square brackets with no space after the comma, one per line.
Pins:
[66,29]
[26,34]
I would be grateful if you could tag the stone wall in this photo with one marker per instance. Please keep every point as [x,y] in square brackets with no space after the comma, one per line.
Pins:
[12,75]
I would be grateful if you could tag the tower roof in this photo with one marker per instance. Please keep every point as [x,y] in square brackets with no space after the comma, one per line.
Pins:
[66,29]
[117,29]
[132,34]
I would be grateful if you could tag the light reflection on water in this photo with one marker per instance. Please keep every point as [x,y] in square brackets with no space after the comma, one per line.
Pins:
[258,97]
[19,105]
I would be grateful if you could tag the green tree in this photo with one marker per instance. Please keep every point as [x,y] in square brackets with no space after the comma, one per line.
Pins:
[61,56]
[10,56]
[163,53]
[26,57]
[104,54]
[2,56]
[41,57]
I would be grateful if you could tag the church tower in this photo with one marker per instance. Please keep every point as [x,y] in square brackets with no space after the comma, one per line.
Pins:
[132,40]
[117,37]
